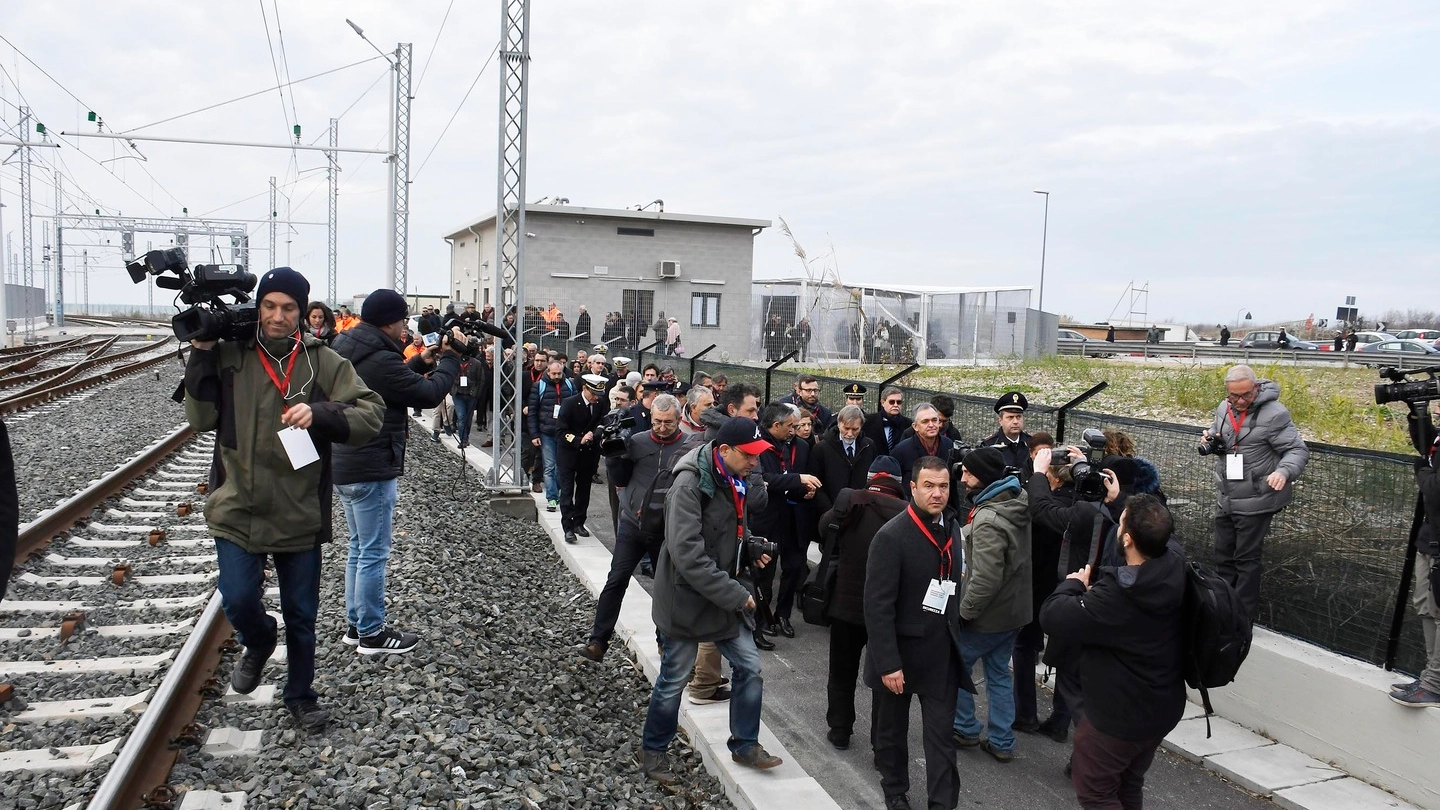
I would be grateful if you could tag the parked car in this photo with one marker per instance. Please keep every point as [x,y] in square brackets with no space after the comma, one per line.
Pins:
[1427,335]
[1364,338]
[1271,340]
[1071,337]
[1402,346]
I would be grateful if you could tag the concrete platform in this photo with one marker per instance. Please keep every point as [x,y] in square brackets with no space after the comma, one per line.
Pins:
[1340,794]
[1270,768]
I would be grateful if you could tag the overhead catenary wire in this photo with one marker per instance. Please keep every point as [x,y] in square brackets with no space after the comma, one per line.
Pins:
[433,46]
[453,115]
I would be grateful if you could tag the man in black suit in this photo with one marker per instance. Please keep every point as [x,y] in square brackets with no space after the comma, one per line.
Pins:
[912,624]
[579,453]
[788,484]
[842,459]
[886,427]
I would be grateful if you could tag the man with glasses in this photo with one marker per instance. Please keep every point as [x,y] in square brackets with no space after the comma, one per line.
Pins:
[807,396]
[1258,455]
[886,427]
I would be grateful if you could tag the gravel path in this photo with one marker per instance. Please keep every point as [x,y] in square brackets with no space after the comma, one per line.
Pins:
[494,709]
[61,446]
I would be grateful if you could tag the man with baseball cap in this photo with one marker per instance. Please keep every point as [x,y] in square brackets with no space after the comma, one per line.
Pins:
[1011,438]
[578,452]
[367,478]
[278,402]
[703,593]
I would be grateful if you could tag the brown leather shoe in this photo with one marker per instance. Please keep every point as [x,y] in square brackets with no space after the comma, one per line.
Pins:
[594,651]
[656,766]
[537,487]
[756,757]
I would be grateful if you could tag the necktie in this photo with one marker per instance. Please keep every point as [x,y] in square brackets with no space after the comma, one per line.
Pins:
[889,435]
[850,451]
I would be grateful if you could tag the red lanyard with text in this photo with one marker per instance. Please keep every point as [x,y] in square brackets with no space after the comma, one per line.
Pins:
[946,563]
[282,385]
[1236,424]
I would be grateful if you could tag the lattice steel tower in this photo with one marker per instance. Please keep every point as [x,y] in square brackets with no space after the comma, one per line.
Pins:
[399,235]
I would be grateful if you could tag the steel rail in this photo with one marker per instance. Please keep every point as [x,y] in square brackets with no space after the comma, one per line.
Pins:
[36,397]
[47,351]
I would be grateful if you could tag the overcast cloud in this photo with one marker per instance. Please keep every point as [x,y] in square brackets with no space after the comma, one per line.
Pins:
[1268,156]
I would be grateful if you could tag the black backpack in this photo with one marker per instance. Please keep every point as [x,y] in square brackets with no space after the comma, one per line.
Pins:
[652,511]
[819,587]
[1217,633]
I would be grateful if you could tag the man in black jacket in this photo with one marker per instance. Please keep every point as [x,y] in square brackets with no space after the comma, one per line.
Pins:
[842,459]
[1011,438]
[541,418]
[783,467]
[578,453]
[886,427]
[928,440]
[912,626]
[582,327]
[1126,623]
[807,396]
[366,477]
[849,526]
[1424,692]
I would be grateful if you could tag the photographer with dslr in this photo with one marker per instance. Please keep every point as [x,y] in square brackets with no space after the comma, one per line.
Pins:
[703,593]
[643,470]
[578,454]
[367,478]
[277,400]
[1258,455]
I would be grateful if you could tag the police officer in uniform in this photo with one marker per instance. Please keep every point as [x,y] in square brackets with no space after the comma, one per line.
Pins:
[855,395]
[1011,438]
[578,455]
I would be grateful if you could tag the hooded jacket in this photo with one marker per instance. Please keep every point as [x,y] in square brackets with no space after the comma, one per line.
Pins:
[1269,441]
[258,500]
[997,555]
[701,584]
[380,363]
[1127,630]
[858,514]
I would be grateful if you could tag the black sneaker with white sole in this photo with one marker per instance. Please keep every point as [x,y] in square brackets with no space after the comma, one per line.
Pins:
[388,640]
[352,636]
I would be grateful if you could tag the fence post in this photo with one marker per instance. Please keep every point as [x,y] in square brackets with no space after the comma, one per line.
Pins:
[891,380]
[1063,409]
[771,370]
[697,356]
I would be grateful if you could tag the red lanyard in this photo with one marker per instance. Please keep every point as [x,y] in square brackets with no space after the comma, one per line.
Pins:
[282,385]
[1230,412]
[946,563]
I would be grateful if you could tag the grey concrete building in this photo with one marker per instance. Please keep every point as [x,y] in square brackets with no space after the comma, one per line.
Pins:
[691,267]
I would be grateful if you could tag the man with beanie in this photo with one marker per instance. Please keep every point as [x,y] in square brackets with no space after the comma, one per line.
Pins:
[996,602]
[277,402]
[849,526]
[367,478]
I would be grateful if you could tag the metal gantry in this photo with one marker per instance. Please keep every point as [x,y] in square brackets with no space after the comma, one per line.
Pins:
[27,257]
[333,219]
[399,232]
[508,285]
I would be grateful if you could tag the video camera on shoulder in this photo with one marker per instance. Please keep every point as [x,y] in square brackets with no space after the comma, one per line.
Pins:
[1415,394]
[210,316]
[614,428]
[1085,471]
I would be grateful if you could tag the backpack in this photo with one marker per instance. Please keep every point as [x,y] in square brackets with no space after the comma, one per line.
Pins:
[1216,633]
[819,587]
[652,511]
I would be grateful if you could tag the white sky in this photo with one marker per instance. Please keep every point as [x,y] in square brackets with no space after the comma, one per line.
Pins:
[1273,157]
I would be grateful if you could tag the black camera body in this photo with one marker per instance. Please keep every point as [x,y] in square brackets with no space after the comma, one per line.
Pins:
[614,428]
[757,547]
[210,316]
[1214,447]
[470,348]
[1085,472]
[1402,389]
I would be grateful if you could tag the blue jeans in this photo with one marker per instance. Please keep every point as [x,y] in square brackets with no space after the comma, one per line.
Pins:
[242,579]
[746,689]
[370,513]
[993,649]
[464,416]
[549,445]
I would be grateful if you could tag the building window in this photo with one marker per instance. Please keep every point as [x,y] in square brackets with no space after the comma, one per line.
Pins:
[705,309]
[637,307]
[635,231]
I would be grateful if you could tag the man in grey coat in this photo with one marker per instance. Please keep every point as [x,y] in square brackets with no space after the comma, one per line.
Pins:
[703,593]
[1254,476]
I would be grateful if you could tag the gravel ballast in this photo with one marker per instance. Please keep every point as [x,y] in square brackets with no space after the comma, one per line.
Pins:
[495,708]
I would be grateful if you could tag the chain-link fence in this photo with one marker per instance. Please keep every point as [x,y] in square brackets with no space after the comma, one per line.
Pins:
[1333,558]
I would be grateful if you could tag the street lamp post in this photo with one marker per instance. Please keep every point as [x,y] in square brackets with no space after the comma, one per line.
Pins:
[1044,234]
[1237,316]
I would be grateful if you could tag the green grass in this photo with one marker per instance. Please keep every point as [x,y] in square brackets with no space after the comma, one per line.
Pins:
[1330,404]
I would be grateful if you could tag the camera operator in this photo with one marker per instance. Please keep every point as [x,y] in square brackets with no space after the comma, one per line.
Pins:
[541,418]
[649,390]
[367,478]
[927,440]
[262,501]
[578,453]
[1258,455]
[1424,691]
[643,472]
[703,593]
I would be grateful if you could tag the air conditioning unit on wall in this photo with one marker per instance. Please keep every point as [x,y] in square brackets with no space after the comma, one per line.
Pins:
[669,269]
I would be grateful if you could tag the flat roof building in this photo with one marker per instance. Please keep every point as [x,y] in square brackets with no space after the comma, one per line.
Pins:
[691,267]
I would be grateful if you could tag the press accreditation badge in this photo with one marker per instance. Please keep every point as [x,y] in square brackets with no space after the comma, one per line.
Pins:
[298,447]
[464,382]
[1235,467]
[556,413]
[938,595]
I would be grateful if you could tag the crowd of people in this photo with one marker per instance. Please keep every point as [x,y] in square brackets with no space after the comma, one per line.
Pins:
[938,554]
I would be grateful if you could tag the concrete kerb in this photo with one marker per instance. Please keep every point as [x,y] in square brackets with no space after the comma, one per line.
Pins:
[708,727]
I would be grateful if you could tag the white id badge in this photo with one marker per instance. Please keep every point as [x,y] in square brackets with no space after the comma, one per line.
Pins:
[298,447]
[464,382]
[1235,467]
[556,414]
[936,596]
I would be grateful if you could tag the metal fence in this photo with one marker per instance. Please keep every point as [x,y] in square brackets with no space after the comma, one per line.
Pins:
[1333,559]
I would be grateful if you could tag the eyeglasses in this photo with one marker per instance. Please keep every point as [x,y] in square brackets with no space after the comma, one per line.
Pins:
[814,390]
[894,402]
[1241,397]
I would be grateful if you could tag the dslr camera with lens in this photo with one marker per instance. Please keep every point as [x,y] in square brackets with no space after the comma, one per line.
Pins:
[757,547]
[1085,471]
[210,316]
[1214,447]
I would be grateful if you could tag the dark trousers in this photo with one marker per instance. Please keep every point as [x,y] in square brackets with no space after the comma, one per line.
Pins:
[793,570]
[1024,659]
[847,644]
[577,473]
[630,546]
[1109,773]
[1238,542]
[1068,694]
[615,509]
[892,754]
[242,584]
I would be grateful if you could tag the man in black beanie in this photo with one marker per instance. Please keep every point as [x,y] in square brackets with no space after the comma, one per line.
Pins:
[366,478]
[277,403]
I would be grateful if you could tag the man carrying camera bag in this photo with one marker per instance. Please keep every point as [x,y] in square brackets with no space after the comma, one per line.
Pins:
[703,593]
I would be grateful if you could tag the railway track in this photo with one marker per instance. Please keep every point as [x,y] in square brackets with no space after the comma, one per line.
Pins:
[111,633]
[96,369]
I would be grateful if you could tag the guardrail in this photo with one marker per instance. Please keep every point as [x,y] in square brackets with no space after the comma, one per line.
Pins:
[1200,351]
